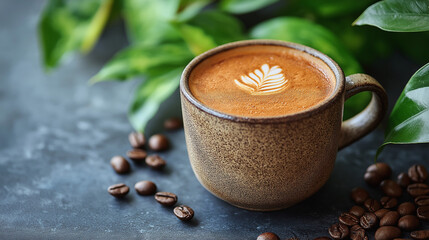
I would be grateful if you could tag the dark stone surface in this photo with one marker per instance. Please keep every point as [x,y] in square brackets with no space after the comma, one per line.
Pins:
[57,136]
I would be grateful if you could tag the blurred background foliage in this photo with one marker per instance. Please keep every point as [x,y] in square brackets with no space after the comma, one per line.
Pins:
[164,35]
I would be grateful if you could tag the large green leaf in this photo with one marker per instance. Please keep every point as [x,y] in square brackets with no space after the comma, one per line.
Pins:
[208,30]
[310,34]
[397,15]
[190,9]
[409,120]
[244,6]
[69,25]
[148,21]
[138,60]
[149,96]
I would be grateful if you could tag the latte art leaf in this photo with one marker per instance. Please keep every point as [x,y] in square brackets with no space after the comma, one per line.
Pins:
[263,81]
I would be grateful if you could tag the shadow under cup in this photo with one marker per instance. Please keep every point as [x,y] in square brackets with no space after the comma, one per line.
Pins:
[268,163]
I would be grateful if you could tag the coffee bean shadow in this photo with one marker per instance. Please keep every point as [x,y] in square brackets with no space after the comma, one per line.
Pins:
[124,201]
[192,223]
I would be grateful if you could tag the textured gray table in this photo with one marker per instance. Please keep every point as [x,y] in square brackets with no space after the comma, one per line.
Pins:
[57,136]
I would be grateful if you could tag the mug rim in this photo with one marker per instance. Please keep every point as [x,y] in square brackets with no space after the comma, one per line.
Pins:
[335,68]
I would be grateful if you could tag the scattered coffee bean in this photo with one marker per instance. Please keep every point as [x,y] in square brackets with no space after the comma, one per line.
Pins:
[359,195]
[420,235]
[357,233]
[391,188]
[372,205]
[268,236]
[166,198]
[173,123]
[183,212]
[137,155]
[387,233]
[380,212]
[418,173]
[137,140]
[418,189]
[348,219]
[145,188]
[368,220]
[388,202]
[339,231]
[159,142]
[406,208]
[118,190]
[376,173]
[120,165]
[155,162]
[422,200]
[408,223]
[357,211]
[423,212]
[389,219]
[403,180]
[322,238]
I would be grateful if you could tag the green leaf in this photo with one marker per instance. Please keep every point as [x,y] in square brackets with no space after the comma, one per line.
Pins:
[196,39]
[310,34]
[138,60]
[148,21]
[397,15]
[223,28]
[191,9]
[69,25]
[244,6]
[409,120]
[149,96]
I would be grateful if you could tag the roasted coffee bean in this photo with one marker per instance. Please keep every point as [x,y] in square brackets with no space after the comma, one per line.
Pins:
[389,219]
[322,238]
[118,190]
[372,205]
[388,202]
[359,195]
[348,219]
[372,178]
[403,180]
[418,173]
[137,140]
[357,233]
[137,155]
[155,162]
[159,142]
[183,212]
[387,233]
[166,198]
[423,212]
[145,188]
[380,212]
[391,188]
[407,208]
[268,236]
[368,220]
[357,211]
[420,235]
[408,223]
[422,200]
[120,165]
[418,189]
[339,231]
[173,123]
[376,173]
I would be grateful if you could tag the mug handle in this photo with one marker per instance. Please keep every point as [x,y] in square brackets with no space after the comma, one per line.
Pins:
[367,120]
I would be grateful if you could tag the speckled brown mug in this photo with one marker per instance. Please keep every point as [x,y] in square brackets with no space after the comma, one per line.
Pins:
[271,163]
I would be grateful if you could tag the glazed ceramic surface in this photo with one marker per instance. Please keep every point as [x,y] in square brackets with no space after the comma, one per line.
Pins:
[272,163]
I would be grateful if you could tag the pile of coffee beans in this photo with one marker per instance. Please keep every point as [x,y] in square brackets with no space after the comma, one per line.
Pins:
[393,215]
[138,155]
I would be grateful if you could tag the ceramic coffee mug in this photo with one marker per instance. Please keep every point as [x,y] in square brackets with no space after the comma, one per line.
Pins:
[272,163]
